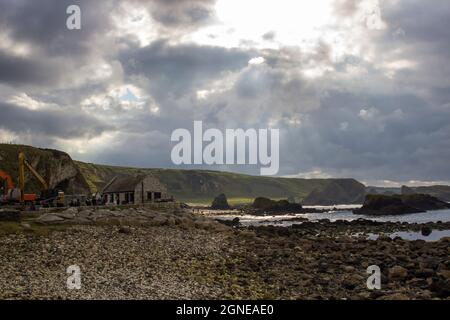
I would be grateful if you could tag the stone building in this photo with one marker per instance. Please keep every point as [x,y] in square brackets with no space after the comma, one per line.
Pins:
[134,190]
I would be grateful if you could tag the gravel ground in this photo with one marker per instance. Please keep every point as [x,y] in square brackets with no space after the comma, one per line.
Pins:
[143,263]
[181,256]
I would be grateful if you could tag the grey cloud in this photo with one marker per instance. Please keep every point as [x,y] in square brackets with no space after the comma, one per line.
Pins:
[420,20]
[182,13]
[54,123]
[175,70]
[346,8]
[269,36]
[43,24]
[19,70]
[405,147]
[405,136]
[56,55]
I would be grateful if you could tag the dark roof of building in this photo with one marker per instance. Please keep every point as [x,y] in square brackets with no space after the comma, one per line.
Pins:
[123,184]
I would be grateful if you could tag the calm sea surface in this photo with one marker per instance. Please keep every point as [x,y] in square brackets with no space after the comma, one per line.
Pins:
[289,219]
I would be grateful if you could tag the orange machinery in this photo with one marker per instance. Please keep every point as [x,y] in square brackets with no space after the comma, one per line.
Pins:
[7,181]
[47,194]
[11,194]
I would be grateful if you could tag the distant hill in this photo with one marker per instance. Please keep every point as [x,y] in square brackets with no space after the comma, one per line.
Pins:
[441,192]
[75,177]
[383,190]
[204,185]
[343,191]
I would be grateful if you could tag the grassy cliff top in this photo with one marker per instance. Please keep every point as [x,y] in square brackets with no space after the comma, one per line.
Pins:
[203,185]
[199,186]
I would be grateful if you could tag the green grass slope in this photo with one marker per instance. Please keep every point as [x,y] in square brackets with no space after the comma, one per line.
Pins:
[185,185]
[203,185]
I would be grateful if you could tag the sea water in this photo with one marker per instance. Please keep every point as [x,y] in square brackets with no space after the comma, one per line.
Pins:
[289,219]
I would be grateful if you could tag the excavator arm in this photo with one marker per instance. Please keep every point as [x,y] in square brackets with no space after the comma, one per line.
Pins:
[23,163]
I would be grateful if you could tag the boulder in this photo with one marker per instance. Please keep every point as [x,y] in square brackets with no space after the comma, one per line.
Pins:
[220,202]
[268,205]
[49,218]
[125,230]
[424,202]
[398,272]
[26,226]
[440,288]
[66,215]
[159,220]
[376,204]
[263,203]
[426,231]
[445,274]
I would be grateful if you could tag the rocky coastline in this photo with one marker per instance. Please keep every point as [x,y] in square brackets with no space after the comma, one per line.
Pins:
[141,253]
[375,204]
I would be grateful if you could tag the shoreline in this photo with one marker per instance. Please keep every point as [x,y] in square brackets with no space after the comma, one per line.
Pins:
[144,254]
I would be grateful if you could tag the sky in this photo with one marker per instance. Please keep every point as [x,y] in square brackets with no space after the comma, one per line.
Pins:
[357,89]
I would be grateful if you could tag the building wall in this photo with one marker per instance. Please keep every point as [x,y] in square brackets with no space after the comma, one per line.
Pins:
[122,197]
[144,190]
[150,186]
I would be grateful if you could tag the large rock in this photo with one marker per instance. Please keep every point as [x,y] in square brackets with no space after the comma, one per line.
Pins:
[424,202]
[339,191]
[426,231]
[220,202]
[400,204]
[268,205]
[398,272]
[49,218]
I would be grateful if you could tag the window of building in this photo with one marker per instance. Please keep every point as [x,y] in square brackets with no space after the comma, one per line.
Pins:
[157,195]
[149,196]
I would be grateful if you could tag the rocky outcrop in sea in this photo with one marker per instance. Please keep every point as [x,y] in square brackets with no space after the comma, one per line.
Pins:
[400,204]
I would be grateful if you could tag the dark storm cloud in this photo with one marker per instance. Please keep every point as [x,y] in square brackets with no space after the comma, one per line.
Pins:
[401,138]
[175,70]
[420,33]
[375,123]
[19,70]
[182,13]
[420,21]
[43,24]
[54,56]
[55,123]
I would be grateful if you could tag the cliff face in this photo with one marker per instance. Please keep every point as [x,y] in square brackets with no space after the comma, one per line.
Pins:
[376,204]
[440,192]
[338,191]
[56,167]
[75,177]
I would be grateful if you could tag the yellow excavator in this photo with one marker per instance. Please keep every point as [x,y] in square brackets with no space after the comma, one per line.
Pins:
[47,194]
